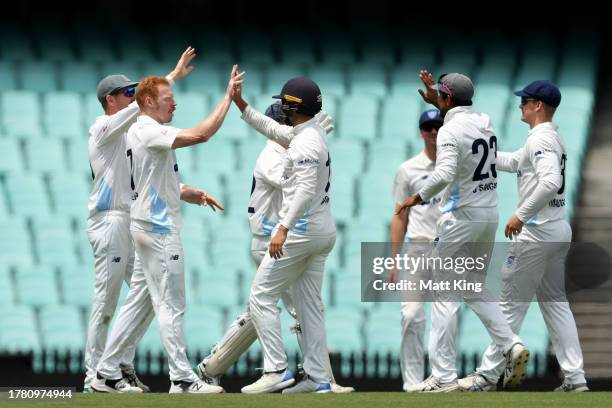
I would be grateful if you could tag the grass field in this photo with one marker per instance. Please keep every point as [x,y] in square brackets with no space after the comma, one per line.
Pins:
[367,399]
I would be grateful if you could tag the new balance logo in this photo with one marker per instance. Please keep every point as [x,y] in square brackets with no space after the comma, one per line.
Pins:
[174,258]
[117,259]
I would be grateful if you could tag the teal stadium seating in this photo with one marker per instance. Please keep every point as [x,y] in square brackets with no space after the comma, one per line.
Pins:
[48,102]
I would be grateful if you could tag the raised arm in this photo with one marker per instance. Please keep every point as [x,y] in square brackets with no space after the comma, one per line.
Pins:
[209,126]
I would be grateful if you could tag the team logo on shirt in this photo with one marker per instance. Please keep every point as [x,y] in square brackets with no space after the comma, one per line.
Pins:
[510,261]
[174,258]
[116,259]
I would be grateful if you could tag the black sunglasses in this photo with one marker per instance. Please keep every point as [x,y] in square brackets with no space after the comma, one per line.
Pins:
[127,92]
[525,100]
[428,127]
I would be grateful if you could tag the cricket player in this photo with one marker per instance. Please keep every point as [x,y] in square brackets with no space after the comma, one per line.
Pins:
[158,286]
[465,171]
[420,225]
[532,268]
[300,244]
[109,215]
[264,206]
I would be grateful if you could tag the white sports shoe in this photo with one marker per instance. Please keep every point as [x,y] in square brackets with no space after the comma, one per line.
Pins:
[196,387]
[569,387]
[201,372]
[338,389]
[432,385]
[270,382]
[516,366]
[475,382]
[307,385]
[114,386]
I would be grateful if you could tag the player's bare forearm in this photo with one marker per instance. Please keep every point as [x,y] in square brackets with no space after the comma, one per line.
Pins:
[399,222]
[205,129]
[240,103]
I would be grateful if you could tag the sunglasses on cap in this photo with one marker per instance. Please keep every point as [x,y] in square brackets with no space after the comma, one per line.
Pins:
[428,127]
[127,92]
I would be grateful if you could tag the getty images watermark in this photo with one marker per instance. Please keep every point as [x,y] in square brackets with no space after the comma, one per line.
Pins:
[490,271]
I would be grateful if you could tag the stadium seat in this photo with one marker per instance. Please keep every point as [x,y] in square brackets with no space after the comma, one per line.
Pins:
[277,76]
[78,158]
[377,49]
[418,52]
[7,292]
[207,78]
[27,194]
[255,48]
[45,155]
[191,109]
[61,328]
[92,108]
[375,200]
[18,332]
[290,54]
[342,196]
[368,80]
[400,115]
[220,290]
[344,329]
[70,193]
[21,114]
[8,78]
[358,117]
[36,286]
[39,76]
[96,46]
[337,47]
[386,158]
[15,244]
[218,48]
[15,45]
[12,160]
[203,328]
[493,99]
[77,283]
[134,46]
[54,45]
[63,115]
[331,79]
[249,151]
[54,240]
[128,68]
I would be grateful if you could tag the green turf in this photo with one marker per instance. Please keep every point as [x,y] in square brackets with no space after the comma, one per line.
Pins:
[369,399]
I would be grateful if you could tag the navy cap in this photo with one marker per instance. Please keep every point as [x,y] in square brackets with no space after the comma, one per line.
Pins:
[432,115]
[542,90]
[303,92]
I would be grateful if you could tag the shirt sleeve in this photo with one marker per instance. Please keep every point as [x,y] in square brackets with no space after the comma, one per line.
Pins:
[547,165]
[271,168]
[268,127]
[401,188]
[305,165]
[447,156]
[159,137]
[117,124]
[508,162]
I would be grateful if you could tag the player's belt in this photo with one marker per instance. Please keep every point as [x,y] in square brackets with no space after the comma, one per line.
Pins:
[251,210]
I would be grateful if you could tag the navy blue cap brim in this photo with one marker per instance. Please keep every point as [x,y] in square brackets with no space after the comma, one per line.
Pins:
[522,93]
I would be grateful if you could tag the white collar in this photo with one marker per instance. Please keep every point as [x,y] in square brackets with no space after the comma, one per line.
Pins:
[454,111]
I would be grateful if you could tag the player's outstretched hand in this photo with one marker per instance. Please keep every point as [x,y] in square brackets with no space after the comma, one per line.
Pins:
[234,86]
[183,68]
[325,121]
[513,227]
[213,203]
[409,202]
[429,95]
[277,242]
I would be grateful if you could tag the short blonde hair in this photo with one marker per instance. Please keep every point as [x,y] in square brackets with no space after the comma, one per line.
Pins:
[148,86]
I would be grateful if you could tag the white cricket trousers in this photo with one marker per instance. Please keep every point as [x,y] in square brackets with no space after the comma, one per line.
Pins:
[301,267]
[536,266]
[466,232]
[158,288]
[113,250]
